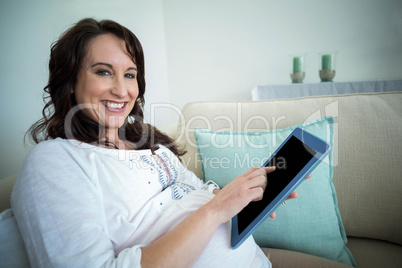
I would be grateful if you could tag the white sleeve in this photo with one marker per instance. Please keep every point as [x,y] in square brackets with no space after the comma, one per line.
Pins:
[59,210]
[209,186]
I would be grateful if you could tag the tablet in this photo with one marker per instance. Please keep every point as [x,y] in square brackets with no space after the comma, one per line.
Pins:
[294,159]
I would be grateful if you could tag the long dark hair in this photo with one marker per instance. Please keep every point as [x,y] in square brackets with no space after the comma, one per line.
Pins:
[66,57]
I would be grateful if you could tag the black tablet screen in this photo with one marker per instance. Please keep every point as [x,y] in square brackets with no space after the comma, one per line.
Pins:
[289,161]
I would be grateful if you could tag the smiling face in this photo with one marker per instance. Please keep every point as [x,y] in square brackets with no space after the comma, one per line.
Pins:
[107,86]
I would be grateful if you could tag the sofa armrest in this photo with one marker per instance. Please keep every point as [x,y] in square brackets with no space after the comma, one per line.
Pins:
[6,187]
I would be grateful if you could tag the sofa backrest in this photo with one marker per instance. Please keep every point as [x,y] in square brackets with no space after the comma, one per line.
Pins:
[367,149]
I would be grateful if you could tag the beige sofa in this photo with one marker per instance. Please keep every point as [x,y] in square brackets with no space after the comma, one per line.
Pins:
[367,165]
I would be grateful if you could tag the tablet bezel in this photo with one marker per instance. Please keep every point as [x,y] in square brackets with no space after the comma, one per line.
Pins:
[321,147]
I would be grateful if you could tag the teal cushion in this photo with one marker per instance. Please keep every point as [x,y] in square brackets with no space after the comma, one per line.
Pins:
[311,223]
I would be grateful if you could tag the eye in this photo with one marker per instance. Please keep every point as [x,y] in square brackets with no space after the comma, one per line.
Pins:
[103,72]
[131,76]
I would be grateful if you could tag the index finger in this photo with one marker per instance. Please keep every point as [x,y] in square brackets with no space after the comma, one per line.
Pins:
[262,170]
[270,169]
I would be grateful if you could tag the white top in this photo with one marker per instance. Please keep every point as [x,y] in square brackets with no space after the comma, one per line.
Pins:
[79,205]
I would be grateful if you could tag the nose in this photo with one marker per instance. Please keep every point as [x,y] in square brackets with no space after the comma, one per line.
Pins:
[119,87]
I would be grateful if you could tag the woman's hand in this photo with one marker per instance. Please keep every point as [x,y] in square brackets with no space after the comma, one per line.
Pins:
[251,172]
[247,187]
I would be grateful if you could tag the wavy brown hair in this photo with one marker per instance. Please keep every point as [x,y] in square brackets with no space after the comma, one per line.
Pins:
[66,57]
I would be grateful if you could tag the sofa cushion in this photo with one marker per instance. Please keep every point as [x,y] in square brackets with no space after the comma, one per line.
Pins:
[6,186]
[12,250]
[312,223]
[367,149]
[375,253]
[287,258]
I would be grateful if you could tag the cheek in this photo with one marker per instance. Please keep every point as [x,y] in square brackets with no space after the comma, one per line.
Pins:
[79,96]
[134,92]
[89,92]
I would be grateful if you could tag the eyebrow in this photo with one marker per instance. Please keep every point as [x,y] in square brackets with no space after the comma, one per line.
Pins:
[111,66]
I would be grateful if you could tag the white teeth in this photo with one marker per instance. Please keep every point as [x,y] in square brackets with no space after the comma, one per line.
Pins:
[113,105]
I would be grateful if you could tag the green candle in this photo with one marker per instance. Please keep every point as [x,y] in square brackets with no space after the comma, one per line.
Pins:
[297,64]
[326,62]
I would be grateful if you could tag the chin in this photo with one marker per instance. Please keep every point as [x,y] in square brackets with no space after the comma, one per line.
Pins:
[115,122]
[112,127]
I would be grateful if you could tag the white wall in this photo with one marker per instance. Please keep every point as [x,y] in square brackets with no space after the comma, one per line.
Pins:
[27,30]
[220,50]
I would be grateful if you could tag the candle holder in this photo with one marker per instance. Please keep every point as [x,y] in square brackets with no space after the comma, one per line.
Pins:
[297,68]
[327,63]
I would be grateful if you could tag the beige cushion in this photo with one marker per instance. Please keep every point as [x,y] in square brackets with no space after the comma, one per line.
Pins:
[285,258]
[367,151]
[375,253]
[6,186]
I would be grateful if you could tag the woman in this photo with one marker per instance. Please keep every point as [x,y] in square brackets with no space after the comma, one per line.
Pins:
[102,188]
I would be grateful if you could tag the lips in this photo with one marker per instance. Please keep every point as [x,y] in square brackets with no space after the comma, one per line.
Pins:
[114,106]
